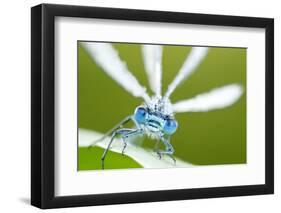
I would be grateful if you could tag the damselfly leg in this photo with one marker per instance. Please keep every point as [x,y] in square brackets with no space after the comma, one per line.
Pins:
[169,150]
[125,134]
[110,132]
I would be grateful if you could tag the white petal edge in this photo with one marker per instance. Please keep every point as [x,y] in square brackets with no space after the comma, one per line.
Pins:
[108,59]
[214,99]
[145,157]
[152,57]
[193,60]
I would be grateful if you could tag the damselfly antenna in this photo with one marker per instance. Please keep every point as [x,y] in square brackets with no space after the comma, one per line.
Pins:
[108,59]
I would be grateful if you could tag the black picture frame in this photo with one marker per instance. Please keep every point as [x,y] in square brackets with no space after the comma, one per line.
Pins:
[43,102]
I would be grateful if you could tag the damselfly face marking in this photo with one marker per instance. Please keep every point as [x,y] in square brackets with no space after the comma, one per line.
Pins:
[155,121]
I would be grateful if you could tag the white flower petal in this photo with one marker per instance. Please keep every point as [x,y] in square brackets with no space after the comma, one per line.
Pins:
[193,60]
[108,59]
[217,98]
[145,157]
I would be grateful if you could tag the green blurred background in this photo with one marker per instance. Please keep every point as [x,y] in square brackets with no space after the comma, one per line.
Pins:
[208,138]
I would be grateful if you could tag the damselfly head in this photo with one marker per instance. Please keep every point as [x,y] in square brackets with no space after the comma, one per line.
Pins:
[161,105]
[157,116]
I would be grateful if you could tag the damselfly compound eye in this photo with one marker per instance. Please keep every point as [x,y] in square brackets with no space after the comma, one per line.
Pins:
[170,126]
[140,114]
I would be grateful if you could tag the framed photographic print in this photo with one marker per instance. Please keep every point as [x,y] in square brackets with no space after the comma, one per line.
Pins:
[140,106]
